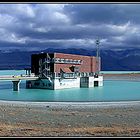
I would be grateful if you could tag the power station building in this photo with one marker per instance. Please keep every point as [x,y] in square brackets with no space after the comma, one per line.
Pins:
[59,71]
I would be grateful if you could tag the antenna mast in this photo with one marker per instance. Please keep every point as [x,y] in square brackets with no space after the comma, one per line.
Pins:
[98,56]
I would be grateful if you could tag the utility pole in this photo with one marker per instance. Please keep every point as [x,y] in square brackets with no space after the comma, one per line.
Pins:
[97,56]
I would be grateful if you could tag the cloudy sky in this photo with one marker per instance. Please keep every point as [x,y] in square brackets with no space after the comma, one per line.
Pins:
[40,26]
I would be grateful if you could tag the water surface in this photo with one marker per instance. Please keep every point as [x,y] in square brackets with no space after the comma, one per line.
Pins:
[111,91]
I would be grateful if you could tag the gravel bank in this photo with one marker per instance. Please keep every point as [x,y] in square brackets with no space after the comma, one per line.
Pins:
[123,76]
[69,120]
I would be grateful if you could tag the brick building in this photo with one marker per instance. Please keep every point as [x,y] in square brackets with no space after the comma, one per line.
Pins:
[59,71]
[47,63]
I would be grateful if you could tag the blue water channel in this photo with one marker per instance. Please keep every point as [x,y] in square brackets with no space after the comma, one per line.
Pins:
[112,90]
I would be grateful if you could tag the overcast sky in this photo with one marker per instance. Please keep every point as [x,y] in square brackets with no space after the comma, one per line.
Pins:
[40,26]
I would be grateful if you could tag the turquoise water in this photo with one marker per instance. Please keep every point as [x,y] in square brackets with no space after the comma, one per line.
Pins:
[111,91]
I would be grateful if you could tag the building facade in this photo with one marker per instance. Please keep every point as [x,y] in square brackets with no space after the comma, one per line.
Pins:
[59,70]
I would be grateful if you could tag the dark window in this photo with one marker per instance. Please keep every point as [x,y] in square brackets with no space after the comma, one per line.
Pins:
[96,83]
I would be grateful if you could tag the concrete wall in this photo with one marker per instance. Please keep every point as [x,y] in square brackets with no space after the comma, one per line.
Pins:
[66,83]
[58,83]
[54,83]
[40,84]
[86,82]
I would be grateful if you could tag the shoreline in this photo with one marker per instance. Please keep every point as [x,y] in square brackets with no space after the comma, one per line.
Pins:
[70,119]
[110,104]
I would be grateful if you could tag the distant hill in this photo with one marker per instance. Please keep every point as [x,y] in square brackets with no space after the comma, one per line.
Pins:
[111,59]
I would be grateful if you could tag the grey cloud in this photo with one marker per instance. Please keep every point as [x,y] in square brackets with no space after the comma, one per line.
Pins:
[103,13]
[71,25]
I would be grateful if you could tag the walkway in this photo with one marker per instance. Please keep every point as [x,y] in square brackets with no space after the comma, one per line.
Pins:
[16,79]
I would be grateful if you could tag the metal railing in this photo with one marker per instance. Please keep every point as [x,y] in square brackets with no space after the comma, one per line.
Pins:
[71,75]
[60,60]
[69,61]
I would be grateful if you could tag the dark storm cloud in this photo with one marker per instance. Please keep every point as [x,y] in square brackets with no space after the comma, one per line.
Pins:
[39,26]
[103,13]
